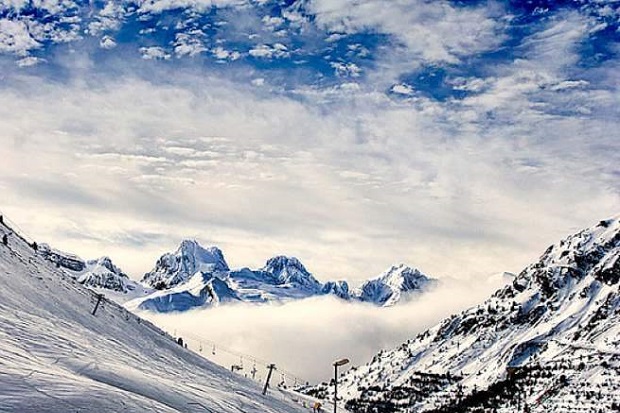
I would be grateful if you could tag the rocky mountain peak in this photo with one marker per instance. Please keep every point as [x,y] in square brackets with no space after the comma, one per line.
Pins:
[387,288]
[175,268]
[289,270]
[106,262]
[337,288]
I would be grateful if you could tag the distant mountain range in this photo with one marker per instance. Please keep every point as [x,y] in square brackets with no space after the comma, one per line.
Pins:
[547,342]
[194,276]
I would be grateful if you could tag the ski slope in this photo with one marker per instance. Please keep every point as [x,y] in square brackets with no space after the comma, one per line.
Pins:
[55,356]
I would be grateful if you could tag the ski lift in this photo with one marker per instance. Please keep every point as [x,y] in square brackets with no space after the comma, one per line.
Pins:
[200,348]
[213,350]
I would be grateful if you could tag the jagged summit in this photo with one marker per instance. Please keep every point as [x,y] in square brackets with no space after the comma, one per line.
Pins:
[387,288]
[557,325]
[106,262]
[289,270]
[337,288]
[102,273]
[197,276]
[175,268]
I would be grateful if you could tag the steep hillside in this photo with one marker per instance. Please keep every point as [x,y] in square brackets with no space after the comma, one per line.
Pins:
[550,340]
[56,356]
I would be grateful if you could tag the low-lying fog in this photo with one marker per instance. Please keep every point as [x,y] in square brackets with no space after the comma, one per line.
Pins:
[304,337]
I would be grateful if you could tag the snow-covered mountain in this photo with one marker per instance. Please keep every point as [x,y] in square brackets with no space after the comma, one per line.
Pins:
[550,340]
[195,276]
[56,356]
[100,274]
[290,271]
[388,288]
[175,268]
[281,279]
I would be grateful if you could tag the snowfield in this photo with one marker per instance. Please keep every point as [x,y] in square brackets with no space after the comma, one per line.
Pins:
[55,356]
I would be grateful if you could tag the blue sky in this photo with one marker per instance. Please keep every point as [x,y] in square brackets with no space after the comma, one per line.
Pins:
[459,137]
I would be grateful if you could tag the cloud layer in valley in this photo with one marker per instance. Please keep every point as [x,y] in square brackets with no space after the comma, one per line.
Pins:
[304,337]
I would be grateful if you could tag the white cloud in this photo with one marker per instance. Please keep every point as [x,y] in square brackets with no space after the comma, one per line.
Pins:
[107,42]
[304,337]
[402,89]
[422,31]
[350,186]
[346,69]
[154,53]
[343,177]
[15,37]
[265,51]
[159,6]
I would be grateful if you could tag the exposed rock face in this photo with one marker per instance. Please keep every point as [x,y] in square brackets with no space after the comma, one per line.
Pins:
[102,273]
[175,268]
[62,259]
[337,288]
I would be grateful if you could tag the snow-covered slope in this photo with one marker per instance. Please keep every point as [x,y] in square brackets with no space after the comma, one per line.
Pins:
[398,282]
[554,333]
[55,356]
